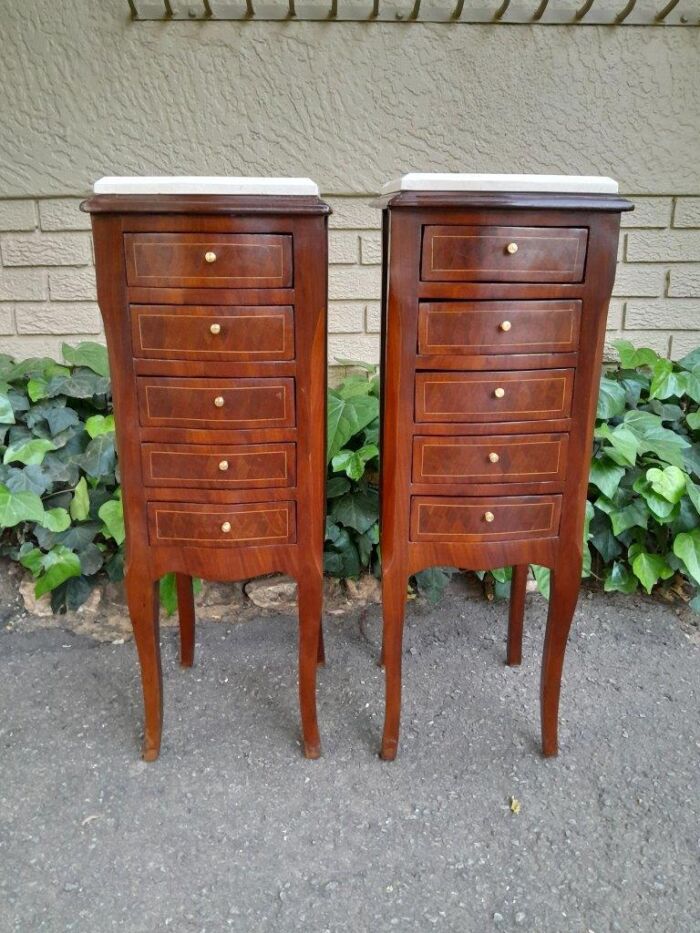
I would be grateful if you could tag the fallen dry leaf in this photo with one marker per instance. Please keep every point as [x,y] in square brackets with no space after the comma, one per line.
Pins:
[515,805]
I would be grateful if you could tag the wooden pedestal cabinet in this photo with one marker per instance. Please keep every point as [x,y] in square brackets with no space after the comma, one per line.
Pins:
[214,308]
[494,310]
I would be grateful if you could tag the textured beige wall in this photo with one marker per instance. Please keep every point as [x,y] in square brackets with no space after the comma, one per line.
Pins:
[85,92]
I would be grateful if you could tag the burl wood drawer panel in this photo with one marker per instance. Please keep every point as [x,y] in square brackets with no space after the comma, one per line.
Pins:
[503,254]
[474,327]
[193,466]
[530,395]
[236,334]
[208,260]
[512,458]
[509,518]
[216,403]
[246,525]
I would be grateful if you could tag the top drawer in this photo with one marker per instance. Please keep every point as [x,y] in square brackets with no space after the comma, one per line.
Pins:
[208,260]
[503,254]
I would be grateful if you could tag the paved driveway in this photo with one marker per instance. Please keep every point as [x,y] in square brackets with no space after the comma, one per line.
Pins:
[232,830]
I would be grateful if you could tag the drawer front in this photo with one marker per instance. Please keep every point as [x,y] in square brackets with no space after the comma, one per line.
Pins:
[233,404]
[533,395]
[504,517]
[208,260]
[246,525]
[190,466]
[510,458]
[473,327]
[212,333]
[503,254]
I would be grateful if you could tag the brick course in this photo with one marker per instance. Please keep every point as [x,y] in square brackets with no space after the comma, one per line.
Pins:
[47,278]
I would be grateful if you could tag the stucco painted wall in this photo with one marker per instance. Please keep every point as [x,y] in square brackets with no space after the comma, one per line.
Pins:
[86,92]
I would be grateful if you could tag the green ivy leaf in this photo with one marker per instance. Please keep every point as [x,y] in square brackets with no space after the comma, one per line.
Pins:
[90,354]
[543,578]
[668,483]
[80,504]
[352,462]
[358,509]
[624,444]
[693,419]
[336,486]
[81,383]
[32,561]
[691,361]
[433,581]
[631,358]
[100,424]
[7,414]
[112,514]
[606,476]
[16,507]
[687,546]
[648,568]
[56,520]
[28,452]
[655,438]
[619,578]
[58,565]
[346,418]
[167,591]
[99,458]
[611,400]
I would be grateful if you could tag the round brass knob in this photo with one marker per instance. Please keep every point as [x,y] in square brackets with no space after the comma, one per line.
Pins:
[219,401]
[489,516]
[493,457]
[505,326]
[226,527]
[223,466]
[512,248]
[215,329]
[499,392]
[211,257]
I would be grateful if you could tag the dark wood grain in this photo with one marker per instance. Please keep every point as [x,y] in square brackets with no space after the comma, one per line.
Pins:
[449,283]
[264,511]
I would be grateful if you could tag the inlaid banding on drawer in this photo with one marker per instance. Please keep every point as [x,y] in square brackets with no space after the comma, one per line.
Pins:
[503,254]
[246,525]
[474,327]
[233,404]
[212,333]
[512,458]
[245,466]
[509,518]
[530,395]
[208,260]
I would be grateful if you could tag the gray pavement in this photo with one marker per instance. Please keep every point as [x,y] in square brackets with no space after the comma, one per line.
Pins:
[233,830]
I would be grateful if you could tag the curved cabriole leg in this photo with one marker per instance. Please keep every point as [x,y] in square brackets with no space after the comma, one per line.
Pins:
[564,588]
[394,608]
[518,583]
[310,608]
[185,611]
[142,599]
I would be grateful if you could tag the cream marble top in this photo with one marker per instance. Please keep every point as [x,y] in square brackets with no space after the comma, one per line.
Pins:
[461,181]
[194,184]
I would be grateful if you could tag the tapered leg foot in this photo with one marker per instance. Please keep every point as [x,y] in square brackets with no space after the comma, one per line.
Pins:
[518,583]
[310,609]
[185,610]
[564,588]
[142,599]
[394,608]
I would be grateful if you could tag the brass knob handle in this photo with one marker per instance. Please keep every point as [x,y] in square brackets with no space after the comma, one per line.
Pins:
[219,401]
[226,527]
[493,457]
[223,466]
[499,392]
[211,257]
[505,326]
[489,516]
[215,329]
[512,248]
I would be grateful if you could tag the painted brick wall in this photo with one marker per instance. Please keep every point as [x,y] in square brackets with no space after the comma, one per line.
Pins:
[47,279]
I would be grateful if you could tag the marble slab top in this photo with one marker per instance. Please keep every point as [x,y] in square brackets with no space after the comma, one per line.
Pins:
[462,181]
[194,184]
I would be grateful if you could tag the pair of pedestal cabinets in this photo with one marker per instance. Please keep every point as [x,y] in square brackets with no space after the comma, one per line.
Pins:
[213,294]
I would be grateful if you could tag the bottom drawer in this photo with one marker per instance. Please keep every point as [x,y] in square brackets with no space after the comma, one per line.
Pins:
[484,519]
[246,525]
